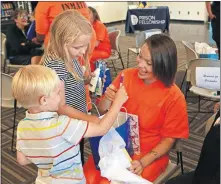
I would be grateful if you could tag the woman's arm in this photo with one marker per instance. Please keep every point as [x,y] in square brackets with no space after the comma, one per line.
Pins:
[108,98]
[71,112]
[209,10]
[159,150]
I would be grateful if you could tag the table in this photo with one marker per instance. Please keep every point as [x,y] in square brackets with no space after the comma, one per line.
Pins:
[147,18]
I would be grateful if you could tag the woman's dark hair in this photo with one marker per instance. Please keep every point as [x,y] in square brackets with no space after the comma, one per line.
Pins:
[18,12]
[164,57]
[95,14]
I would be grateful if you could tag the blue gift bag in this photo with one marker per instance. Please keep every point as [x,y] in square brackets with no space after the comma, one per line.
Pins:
[209,56]
[124,132]
[108,79]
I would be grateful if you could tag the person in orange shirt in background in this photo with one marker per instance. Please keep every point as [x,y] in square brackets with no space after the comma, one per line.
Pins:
[158,103]
[44,15]
[102,47]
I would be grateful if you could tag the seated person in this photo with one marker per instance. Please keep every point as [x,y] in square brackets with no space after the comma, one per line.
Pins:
[31,33]
[20,50]
[55,148]
[102,47]
[157,101]
[208,168]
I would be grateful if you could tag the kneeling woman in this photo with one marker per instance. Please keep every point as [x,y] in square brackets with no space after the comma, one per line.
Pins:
[103,47]
[157,101]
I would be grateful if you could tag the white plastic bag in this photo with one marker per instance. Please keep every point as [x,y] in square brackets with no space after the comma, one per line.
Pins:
[114,160]
[204,48]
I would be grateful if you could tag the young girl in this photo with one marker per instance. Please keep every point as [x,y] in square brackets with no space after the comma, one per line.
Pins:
[70,35]
[103,47]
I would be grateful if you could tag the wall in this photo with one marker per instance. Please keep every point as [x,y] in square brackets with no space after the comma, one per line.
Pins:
[110,11]
[185,10]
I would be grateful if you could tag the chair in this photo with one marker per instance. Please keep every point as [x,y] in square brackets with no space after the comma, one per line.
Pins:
[140,39]
[115,49]
[209,123]
[191,54]
[172,167]
[208,93]
[8,101]
[4,58]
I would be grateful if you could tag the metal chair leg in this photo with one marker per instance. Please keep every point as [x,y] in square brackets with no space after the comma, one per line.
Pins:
[114,66]
[13,132]
[128,53]
[181,162]
[199,103]
[121,60]
[184,77]
[178,158]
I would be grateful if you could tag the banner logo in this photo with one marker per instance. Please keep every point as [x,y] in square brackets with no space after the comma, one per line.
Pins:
[134,20]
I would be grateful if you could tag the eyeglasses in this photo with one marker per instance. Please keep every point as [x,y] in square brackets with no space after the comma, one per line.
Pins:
[24,17]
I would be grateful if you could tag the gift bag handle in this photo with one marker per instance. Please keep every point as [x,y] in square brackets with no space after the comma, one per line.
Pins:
[95,107]
[126,115]
[100,115]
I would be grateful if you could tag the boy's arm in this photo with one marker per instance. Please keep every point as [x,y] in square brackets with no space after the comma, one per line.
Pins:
[71,112]
[22,160]
[108,120]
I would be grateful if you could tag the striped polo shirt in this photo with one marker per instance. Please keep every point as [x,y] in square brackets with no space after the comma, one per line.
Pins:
[75,94]
[51,142]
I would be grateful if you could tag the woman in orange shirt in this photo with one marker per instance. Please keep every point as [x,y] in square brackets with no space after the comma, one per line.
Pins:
[102,47]
[159,104]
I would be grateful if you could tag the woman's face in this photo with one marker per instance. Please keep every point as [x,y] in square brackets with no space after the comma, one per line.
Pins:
[22,19]
[91,18]
[79,46]
[144,61]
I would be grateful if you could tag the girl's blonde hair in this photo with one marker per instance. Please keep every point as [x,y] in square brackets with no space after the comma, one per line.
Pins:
[33,81]
[65,29]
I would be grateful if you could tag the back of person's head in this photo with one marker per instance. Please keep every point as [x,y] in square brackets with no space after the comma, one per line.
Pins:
[32,82]
[95,14]
[164,57]
[64,30]
[18,12]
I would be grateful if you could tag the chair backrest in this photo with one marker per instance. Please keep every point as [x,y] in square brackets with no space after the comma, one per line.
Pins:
[110,29]
[200,63]
[177,146]
[7,98]
[190,51]
[143,35]
[209,123]
[151,32]
[3,51]
[114,39]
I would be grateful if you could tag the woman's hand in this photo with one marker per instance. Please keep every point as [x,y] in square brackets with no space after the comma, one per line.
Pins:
[110,92]
[212,16]
[136,167]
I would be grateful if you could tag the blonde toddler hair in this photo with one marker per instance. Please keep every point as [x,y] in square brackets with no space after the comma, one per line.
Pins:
[33,81]
[65,29]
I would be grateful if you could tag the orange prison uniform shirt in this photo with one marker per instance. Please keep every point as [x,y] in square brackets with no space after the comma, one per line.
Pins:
[45,13]
[103,50]
[162,113]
